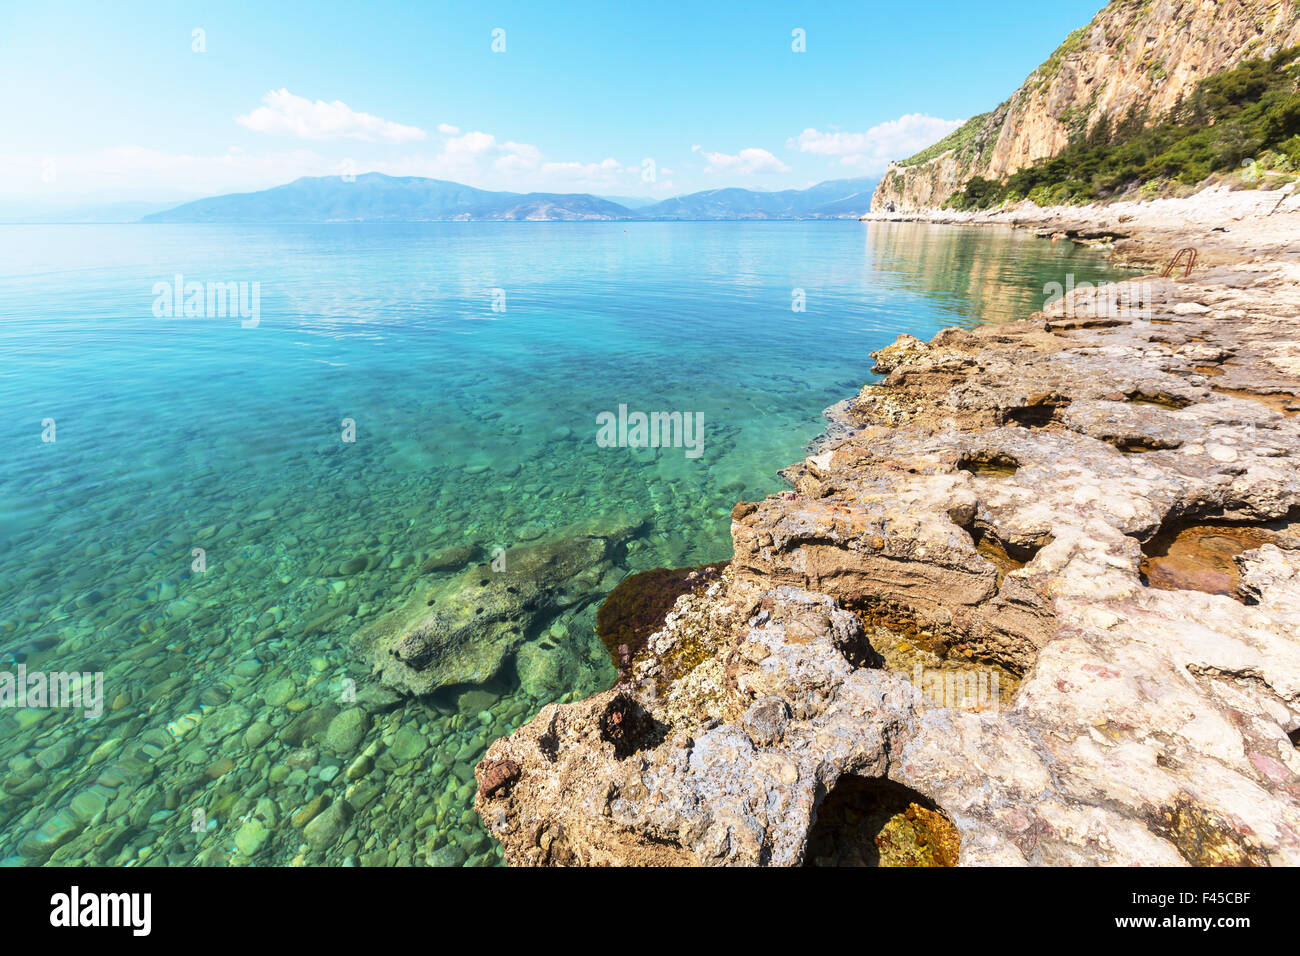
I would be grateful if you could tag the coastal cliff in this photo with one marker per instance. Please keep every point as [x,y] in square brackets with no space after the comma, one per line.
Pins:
[1136,61]
[1036,603]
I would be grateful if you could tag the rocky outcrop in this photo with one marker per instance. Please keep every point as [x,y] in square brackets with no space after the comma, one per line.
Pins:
[1139,57]
[463,629]
[1000,499]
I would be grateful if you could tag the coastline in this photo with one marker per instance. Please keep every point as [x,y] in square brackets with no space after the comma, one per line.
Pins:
[1045,506]
[1226,226]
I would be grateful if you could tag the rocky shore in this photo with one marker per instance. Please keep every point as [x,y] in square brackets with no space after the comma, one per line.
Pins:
[1034,601]
[1225,226]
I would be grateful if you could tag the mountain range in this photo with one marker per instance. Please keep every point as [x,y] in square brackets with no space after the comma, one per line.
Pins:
[375,197]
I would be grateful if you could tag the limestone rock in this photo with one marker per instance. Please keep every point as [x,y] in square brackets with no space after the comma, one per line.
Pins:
[1000,499]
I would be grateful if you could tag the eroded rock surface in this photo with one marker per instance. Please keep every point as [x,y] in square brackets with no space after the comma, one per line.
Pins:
[991,498]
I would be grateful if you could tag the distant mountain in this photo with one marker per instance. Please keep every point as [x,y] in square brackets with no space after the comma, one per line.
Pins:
[631,202]
[836,199]
[374,197]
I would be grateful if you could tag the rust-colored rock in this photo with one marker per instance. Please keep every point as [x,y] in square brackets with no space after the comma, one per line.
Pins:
[496,777]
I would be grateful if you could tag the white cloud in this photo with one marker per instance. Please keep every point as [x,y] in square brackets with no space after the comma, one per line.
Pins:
[873,150]
[476,153]
[286,114]
[747,161]
[607,172]
[474,157]
[481,158]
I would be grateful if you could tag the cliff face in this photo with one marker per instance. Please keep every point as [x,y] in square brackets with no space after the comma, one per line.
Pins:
[1135,55]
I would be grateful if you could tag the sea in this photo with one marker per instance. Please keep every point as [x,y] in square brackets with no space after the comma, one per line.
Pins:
[228,451]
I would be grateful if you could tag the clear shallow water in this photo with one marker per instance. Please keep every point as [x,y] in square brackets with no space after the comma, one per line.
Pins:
[473,427]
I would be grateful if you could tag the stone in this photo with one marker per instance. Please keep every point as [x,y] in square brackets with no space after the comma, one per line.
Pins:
[309,811]
[325,830]
[354,565]
[305,726]
[359,795]
[378,699]
[50,835]
[88,804]
[280,692]
[408,744]
[474,700]
[766,720]
[251,837]
[462,630]
[545,669]
[55,755]
[450,559]
[249,667]
[256,828]
[448,855]
[258,733]
[346,731]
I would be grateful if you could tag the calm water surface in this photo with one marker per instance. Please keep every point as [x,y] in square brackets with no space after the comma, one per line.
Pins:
[223,668]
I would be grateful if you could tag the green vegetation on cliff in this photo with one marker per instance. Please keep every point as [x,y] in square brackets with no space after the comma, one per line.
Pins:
[1248,116]
[959,140]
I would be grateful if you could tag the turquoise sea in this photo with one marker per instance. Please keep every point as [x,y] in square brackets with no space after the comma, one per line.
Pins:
[182,513]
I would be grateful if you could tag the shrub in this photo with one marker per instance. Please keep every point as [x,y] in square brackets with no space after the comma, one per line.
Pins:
[1248,113]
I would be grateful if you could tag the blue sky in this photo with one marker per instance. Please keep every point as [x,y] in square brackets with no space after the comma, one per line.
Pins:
[112,101]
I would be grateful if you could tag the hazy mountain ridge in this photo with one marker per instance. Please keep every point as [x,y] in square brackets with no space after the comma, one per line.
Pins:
[375,197]
[833,199]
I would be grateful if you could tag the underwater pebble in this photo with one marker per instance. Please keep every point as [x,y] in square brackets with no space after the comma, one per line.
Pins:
[257,734]
[346,731]
[279,693]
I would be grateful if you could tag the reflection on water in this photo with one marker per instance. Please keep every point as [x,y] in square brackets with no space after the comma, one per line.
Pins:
[992,273]
[202,535]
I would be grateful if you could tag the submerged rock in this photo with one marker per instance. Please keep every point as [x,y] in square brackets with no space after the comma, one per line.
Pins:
[50,835]
[545,669]
[450,559]
[326,827]
[346,731]
[461,632]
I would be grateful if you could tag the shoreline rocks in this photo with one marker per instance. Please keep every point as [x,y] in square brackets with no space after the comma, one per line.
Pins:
[998,499]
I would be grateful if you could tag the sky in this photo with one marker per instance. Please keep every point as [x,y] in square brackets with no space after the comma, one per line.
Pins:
[174,100]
